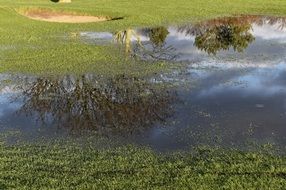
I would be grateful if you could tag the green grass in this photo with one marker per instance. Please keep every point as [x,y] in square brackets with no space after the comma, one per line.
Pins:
[39,47]
[36,47]
[71,166]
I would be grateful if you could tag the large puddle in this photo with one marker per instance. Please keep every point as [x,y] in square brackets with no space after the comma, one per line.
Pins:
[231,93]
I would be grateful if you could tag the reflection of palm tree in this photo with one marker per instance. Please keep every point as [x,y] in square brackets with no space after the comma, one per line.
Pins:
[107,105]
[153,50]
[125,37]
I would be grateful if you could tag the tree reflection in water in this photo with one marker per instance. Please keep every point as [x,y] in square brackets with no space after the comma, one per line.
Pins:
[223,37]
[125,37]
[222,34]
[210,36]
[155,49]
[120,104]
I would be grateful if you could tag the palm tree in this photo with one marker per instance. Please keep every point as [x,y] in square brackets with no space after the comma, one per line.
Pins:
[125,37]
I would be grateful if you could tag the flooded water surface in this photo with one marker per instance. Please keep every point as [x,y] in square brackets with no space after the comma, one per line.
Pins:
[232,90]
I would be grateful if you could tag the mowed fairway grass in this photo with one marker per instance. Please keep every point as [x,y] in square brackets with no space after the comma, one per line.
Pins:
[69,166]
[36,47]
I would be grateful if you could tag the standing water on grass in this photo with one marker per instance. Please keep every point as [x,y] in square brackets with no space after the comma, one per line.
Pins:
[232,90]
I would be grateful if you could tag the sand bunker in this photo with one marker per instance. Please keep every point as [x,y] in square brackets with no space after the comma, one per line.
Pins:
[50,16]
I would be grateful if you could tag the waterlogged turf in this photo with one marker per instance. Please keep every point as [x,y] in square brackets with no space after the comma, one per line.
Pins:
[229,91]
[178,98]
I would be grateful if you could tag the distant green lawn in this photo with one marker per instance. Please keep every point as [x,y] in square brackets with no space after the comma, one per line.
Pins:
[39,47]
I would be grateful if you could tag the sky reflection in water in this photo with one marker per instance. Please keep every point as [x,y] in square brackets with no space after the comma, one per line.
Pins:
[234,88]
